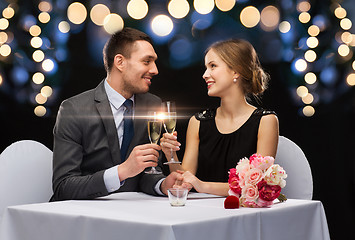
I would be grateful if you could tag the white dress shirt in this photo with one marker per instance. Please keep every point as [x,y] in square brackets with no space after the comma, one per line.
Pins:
[111,178]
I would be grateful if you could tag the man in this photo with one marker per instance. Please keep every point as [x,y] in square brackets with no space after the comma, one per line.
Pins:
[89,134]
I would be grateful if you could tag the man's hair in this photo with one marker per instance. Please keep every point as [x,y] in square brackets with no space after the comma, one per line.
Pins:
[122,42]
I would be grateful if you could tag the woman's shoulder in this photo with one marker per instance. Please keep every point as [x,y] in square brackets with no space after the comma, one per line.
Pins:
[206,114]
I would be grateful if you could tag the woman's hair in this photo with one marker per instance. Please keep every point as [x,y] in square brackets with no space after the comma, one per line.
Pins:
[241,57]
[122,43]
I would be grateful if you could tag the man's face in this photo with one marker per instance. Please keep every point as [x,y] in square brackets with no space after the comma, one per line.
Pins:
[140,68]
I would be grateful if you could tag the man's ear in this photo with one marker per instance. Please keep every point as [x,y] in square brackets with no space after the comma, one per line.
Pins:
[119,62]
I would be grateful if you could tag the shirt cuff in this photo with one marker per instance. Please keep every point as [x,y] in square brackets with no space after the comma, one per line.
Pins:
[112,180]
[157,187]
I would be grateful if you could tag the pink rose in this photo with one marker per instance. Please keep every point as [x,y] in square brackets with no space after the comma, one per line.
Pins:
[263,163]
[268,192]
[253,176]
[255,157]
[250,192]
[243,166]
[262,203]
[233,181]
[247,203]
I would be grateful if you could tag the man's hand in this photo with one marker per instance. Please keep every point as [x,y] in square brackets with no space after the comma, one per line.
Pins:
[141,157]
[170,181]
[190,181]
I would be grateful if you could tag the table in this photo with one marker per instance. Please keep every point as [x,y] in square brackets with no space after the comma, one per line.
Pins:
[135,215]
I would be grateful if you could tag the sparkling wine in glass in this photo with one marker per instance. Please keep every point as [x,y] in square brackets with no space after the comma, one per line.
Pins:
[169,123]
[154,130]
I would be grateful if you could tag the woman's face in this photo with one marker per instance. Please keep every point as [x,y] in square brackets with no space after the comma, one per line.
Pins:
[218,76]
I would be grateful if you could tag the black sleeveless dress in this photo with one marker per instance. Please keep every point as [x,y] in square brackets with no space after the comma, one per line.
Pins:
[220,152]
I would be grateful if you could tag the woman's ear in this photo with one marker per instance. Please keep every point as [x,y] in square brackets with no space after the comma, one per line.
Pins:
[236,75]
[119,62]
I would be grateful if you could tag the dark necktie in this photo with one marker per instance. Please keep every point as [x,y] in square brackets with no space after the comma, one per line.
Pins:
[128,130]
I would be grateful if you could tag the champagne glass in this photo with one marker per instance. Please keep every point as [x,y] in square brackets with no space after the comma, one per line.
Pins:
[154,131]
[169,123]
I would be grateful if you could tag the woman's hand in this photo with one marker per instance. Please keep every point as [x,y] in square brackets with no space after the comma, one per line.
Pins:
[190,180]
[169,143]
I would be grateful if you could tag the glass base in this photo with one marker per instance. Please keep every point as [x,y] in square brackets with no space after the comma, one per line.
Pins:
[153,171]
[172,162]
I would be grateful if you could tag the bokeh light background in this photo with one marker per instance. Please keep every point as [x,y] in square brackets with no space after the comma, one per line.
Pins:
[51,50]
[314,42]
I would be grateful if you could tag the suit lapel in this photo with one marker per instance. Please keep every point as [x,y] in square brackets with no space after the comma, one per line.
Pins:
[103,107]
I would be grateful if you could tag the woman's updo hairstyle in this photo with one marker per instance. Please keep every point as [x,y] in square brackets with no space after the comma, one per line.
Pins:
[241,57]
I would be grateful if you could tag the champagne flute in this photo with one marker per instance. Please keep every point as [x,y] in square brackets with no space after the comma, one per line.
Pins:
[169,123]
[154,131]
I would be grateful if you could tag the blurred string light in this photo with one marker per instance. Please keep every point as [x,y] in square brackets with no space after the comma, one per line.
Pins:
[45,6]
[250,16]
[38,56]
[308,111]
[162,25]
[44,17]
[310,56]
[269,18]
[98,14]
[35,30]
[38,78]
[225,5]
[64,27]
[284,27]
[137,9]
[4,23]
[8,12]
[203,6]
[178,8]
[113,23]
[40,111]
[345,23]
[350,80]
[340,12]
[5,50]
[310,78]
[77,13]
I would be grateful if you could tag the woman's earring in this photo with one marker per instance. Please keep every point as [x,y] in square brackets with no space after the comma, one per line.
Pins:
[234,80]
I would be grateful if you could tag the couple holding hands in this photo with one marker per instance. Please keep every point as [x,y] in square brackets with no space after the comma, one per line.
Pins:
[90,158]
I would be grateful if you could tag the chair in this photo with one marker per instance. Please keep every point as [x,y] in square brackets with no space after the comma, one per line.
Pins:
[299,183]
[25,174]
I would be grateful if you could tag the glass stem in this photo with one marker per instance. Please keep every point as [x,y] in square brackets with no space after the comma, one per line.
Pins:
[172,155]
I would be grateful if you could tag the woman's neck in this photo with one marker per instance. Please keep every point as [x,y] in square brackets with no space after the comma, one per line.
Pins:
[234,106]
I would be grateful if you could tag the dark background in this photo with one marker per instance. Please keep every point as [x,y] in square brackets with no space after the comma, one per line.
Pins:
[327,138]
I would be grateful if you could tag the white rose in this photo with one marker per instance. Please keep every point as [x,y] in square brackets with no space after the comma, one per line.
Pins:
[275,175]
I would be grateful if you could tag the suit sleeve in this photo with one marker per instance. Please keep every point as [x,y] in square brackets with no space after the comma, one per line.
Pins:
[68,180]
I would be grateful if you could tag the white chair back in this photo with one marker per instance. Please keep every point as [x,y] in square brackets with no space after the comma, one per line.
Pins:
[299,183]
[25,174]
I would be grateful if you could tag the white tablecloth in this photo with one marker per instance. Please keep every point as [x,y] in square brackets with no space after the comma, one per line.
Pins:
[140,216]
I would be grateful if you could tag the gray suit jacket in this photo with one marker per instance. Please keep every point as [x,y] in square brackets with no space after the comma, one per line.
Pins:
[86,144]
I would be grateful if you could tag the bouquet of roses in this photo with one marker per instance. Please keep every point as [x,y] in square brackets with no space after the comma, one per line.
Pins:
[257,181]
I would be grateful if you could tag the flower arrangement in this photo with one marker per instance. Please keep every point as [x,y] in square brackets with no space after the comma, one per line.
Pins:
[256,182]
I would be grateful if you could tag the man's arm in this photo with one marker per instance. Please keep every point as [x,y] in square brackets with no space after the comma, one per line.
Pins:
[69,182]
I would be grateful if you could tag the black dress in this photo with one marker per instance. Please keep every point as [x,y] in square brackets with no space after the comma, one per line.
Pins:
[220,152]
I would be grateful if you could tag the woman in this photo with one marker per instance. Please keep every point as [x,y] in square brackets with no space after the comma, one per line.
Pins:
[217,139]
